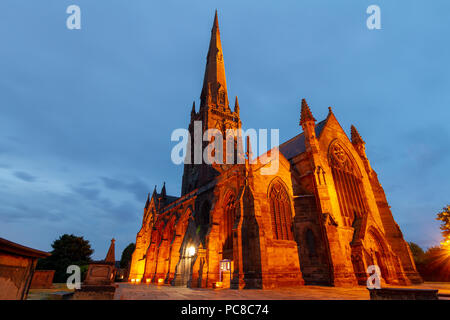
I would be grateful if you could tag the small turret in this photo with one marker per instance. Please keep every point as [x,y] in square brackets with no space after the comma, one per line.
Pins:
[308,124]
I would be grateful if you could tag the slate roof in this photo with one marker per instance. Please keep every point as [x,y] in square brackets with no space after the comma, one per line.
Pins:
[168,199]
[296,145]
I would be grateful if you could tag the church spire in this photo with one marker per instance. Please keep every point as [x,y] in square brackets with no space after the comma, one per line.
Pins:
[214,83]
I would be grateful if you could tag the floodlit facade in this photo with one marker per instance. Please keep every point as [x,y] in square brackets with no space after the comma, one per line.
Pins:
[322,218]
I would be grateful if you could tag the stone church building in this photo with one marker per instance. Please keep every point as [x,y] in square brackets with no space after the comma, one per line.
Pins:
[323,218]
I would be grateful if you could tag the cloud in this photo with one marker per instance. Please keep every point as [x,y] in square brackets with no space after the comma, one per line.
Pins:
[136,187]
[86,192]
[25,176]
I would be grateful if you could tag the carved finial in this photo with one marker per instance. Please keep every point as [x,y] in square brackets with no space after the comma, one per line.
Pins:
[148,201]
[356,137]
[163,190]
[236,105]
[193,109]
[306,114]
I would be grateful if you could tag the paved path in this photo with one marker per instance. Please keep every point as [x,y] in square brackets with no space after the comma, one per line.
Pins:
[127,291]
[152,292]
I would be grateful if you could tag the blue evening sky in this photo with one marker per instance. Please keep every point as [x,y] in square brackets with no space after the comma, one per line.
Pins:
[86,115]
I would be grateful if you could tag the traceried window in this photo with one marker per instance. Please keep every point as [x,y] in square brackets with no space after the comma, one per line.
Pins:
[348,185]
[280,209]
[228,221]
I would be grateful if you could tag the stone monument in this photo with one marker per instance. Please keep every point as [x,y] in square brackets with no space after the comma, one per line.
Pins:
[99,282]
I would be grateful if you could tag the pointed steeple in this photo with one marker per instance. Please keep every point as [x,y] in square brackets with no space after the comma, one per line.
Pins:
[214,79]
[249,153]
[216,21]
[236,105]
[110,256]
[356,138]
[306,114]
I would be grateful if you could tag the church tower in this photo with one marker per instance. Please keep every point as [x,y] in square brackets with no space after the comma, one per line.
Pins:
[214,113]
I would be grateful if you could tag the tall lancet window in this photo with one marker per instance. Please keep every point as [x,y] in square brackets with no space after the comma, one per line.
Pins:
[281,214]
[228,222]
[348,183]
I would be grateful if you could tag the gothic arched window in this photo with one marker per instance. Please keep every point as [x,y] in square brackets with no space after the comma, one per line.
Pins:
[348,185]
[280,209]
[228,221]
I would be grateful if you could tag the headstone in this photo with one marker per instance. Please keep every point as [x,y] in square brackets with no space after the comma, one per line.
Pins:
[99,282]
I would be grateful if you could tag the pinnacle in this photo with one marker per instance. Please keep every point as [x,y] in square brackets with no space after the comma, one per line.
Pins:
[306,114]
[356,137]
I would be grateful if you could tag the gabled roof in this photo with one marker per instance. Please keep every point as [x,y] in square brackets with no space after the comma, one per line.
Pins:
[17,249]
[296,145]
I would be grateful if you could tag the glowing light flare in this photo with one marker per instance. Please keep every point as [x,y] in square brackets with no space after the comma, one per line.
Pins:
[191,251]
[160,281]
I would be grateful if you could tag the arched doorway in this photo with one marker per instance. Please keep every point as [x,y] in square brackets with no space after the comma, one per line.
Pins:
[378,252]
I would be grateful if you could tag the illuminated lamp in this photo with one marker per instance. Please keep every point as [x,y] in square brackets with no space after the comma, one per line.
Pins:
[191,251]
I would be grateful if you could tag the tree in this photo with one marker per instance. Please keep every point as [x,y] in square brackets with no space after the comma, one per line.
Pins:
[67,250]
[444,217]
[126,255]
[417,252]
